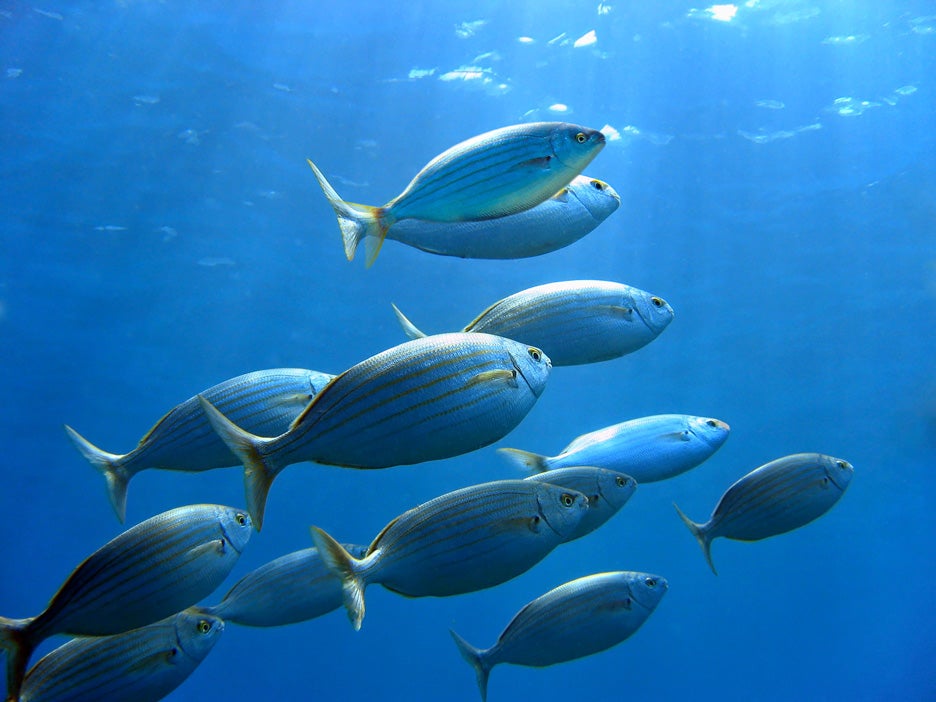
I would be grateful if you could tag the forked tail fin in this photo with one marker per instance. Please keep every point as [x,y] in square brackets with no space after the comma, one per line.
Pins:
[15,640]
[702,536]
[477,660]
[526,459]
[342,564]
[109,464]
[408,328]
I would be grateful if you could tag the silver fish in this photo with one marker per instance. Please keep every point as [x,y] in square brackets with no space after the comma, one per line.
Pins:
[577,619]
[647,449]
[152,570]
[491,175]
[290,589]
[561,220]
[466,540]
[607,491]
[432,398]
[263,402]
[142,665]
[778,497]
[574,321]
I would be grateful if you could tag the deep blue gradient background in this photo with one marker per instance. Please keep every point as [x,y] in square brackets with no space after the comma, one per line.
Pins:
[161,232]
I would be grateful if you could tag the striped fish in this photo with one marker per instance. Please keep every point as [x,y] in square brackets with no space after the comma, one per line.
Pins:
[466,540]
[561,220]
[423,400]
[577,619]
[607,491]
[290,589]
[574,321]
[491,175]
[647,449]
[142,665]
[778,497]
[263,402]
[153,570]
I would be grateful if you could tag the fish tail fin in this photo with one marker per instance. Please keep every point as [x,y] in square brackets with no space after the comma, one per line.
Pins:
[526,459]
[701,534]
[343,564]
[109,464]
[259,471]
[357,222]
[410,330]
[476,659]
[15,640]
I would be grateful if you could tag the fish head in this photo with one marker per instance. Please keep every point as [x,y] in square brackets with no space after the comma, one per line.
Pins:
[531,364]
[236,526]
[614,487]
[596,196]
[838,471]
[655,312]
[197,632]
[713,432]
[574,145]
[647,589]
[561,508]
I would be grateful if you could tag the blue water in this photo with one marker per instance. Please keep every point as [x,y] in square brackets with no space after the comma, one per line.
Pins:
[161,232]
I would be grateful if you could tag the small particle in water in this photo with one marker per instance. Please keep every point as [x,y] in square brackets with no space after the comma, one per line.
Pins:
[146,99]
[282,87]
[586,39]
[14,72]
[420,73]
[906,90]
[50,15]
[605,8]
[526,40]
[110,228]
[168,233]
[770,104]
[189,136]
[468,29]
[611,134]
[213,261]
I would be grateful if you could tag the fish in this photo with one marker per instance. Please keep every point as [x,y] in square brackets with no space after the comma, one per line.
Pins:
[573,321]
[778,497]
[264,402]
[577,619]
[290,589]
[423,400]
[648,449]
[495,174]
[463,541]
[141,665]
[149,572]
[561,220]
[607,491]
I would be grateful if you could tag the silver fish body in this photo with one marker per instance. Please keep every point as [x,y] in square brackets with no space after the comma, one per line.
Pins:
[607,491]
[287,590]
[577,619]
[555,223]
[648,449]
[491,175]
[574,321]
[142,665]
[778,497]
[154,569]
[262,402]
[466,540]
[423,400]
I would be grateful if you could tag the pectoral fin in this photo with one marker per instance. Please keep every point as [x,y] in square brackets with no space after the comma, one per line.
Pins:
[493,376]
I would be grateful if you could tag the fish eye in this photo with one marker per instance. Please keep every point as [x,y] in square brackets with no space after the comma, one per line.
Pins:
[650,582]
[619,481]
[598,185]
[842,464]
[581,138]
[712,423]
[657,301]
[535,353]
[567,500]
[241,519]
[204,626]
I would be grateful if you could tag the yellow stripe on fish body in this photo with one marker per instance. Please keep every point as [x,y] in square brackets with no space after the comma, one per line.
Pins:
[494,174]
[575,321]
[153,570]
[142,665]
[423,400]
[263,402]
[778,497]
[467,540]
[576,619]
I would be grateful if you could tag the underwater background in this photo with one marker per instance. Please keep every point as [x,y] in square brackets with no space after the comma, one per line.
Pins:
[776,160]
